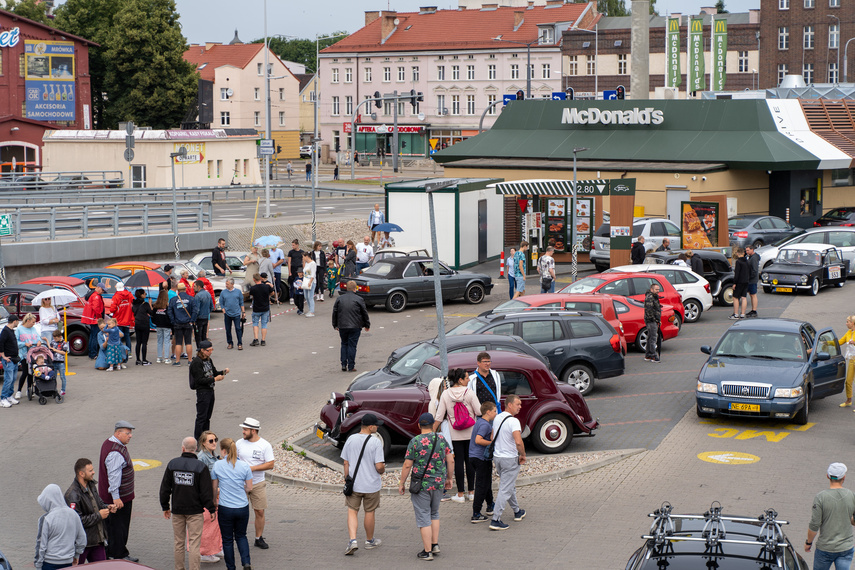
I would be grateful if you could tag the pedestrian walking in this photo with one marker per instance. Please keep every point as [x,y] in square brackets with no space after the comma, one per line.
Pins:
[203,376]
[11,358]
[289,168]
[122,309]
[308,171]
[61,539]
[116,487]
[512,288]
[82,496]
[356,158]
[350,267]
[295,264]
[234,313]
[183,311]
[218,258]
[637,252]
[320,259]
[508,455]
[832,517]
[519,270]
[335,172]
[186,492]
[143,313]
[546,268]
[232,484]
[482,437]
[163,327]
[258,453]
[753,278]
[204,304]
[741,277]
[310,281]
[260,293]
[652,320]
[208,452]
[429,459]
[461,406]
[364,464]
[375,218]
[847,348]
[436,387]
[364,254]
[93,311]
[349,315]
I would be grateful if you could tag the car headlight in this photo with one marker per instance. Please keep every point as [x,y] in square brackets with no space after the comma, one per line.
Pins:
[764,276]
[707,387]
[804,279]
[789,392]
[380,385]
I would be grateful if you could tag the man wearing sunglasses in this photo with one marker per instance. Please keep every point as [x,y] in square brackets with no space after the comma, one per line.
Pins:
[203,375]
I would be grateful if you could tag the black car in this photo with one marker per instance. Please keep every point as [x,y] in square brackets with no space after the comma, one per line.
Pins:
[713,540]
[837,217]
[399,281]
[580,346]
[806,267]
[403,365]
[759,230]
[717,271]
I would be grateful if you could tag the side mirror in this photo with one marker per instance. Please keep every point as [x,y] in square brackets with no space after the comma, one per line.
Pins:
[823,356]
[706,349]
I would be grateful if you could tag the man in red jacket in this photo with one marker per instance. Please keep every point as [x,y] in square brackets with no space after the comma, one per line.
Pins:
[123,311]
[93,311]
[207,284]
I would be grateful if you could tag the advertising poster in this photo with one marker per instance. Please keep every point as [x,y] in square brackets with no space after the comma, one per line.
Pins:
[719,54]
[50,80]
[195,152]
[700,224]
[556,224]
[696,55]
[672,73]
[584,223]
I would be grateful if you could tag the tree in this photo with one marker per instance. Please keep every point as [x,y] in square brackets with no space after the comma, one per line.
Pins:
[612,8]
[32,9]
[301,50]
[719,7]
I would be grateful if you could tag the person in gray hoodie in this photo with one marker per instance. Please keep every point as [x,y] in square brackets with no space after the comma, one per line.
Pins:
[61,538]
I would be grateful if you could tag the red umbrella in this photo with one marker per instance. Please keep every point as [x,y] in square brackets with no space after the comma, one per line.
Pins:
[146,278]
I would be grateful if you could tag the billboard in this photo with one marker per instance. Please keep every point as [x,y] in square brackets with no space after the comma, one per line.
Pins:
[700,221]
[50,80]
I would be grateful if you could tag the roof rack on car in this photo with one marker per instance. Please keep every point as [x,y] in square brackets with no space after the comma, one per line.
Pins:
[714,533]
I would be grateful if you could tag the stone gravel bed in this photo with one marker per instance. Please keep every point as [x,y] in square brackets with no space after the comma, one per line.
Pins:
[327,232]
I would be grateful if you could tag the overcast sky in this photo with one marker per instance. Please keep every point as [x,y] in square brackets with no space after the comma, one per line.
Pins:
[216,20]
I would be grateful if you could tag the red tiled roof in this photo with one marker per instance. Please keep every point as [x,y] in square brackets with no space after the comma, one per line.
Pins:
[457,29]
[238,55]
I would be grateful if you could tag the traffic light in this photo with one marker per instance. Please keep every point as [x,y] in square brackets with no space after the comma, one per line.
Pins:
[403,144]
[278,149]
[377,102]
[570,93]
[520,95]
[415,98]
[621,92]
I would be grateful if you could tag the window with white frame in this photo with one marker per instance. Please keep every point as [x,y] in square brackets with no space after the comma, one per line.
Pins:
[783,70]
[833,72]
[808,37]
[334,75]
[335,106]
[138,176]
[440,73]
[834,3]
[515,71]
[621,64]
[440,105]
[256,116]
[387,107]
[490,100]
[470,104]
[833,36]
[455,72]
[348,75]
[810,3]
[415,73]
[783,4]
[807,73]
[742,61]
[257,93]
[281,118]
[348,105]
[491,71]
[546,36]
[225,118]
[455,104]
[402,107]
[387,74]
[224,93]
[572,65]
[261,69]
[281,93]
[545,71]
[531,71]
[591,65]
[402,73]
[470,72]
[784,37]
[367,75]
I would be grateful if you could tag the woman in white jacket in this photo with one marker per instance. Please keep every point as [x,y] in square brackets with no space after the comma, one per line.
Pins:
[459,392]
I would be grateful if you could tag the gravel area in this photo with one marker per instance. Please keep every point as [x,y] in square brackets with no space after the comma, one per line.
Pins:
[327,232]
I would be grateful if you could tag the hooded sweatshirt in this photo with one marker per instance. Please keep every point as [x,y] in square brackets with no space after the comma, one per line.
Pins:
[447,401]
[61,537]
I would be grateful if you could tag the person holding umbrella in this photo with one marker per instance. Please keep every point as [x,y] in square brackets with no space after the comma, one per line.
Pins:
[375,218]
[48,317]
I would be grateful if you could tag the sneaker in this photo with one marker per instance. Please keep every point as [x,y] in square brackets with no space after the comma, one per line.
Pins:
[299,313]
[321,298]
[519,515]
[290,301]
[176,363]
[260,543]
[167,361]
[18,395]
[471,496]
[344,368]
[264,343]
[458,499]
[373,543]
[742,316]
[478,518]
[309,315]
[254,342]
[424,556]
[733,317]
[656,361]
[5,404]
[498,525]
[247,567]
[489,509]
[352,547]
[184,355]
[110,369]
[62,392]
[122,366]
[751,314]
[159,360]
[434,549]
[146,363]
[210,558]
[445,496]
[648,359]
[138,362]
[14,402]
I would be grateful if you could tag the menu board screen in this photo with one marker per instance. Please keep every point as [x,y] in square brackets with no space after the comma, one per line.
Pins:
[584,223]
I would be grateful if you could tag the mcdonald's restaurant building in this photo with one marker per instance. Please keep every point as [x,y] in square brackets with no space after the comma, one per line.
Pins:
[785,157]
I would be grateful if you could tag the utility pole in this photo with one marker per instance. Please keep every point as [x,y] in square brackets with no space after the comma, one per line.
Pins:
[395,134]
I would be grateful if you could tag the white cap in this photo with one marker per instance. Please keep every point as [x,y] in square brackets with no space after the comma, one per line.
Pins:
[837,471]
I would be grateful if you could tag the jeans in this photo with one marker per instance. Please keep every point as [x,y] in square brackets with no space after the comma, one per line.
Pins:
[277,284]
[310,300]
[260,319]
[59,368]
[9,371]
[204,411]
[483,483]
[228,322]
[200,330]
[164,342]
[550,289]
[349,338]
[652,340]
[511,286]
[93,341]
[49,566]
[823,560]
[360,267]
[233,529]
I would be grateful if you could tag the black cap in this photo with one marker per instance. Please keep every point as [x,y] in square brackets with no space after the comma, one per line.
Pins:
[426,419]
[371,420]
[205,344]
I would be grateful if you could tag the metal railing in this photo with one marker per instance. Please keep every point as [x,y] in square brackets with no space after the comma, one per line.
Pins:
[71,180]
[93,219]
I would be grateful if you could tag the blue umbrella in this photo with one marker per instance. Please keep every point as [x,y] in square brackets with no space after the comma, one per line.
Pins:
[387,227]
[265,241]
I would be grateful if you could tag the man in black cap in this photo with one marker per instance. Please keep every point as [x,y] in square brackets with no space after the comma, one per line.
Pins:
[203,375]
[364,461]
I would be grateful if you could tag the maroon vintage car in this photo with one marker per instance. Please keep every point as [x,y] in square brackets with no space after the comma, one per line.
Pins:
[552,411]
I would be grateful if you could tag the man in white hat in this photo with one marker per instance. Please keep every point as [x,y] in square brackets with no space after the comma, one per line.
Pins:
[258,452]
[832,517]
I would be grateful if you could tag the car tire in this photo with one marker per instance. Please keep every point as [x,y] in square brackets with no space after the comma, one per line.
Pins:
[801,418]
[758,243]
[725,298]
[396,302]
[814,287]
[552,433]
[580,376]
[767,289]
[382,434]
[841,284]
[702,414]
[474,294]
[641,340]
[693,310]
[78,342]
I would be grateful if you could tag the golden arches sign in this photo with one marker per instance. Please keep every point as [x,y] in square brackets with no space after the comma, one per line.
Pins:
[721,26]
[673,24]
[697,25]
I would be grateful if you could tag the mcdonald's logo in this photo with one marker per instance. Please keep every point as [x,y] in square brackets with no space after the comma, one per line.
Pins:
[721,26]
[673,24]
[697,25]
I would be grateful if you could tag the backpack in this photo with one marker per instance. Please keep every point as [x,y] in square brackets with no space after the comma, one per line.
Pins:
[462,419]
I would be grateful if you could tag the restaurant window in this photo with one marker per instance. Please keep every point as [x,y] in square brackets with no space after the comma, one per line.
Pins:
[842,177]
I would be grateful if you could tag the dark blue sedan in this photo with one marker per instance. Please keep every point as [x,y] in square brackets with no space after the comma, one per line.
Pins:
[769,368]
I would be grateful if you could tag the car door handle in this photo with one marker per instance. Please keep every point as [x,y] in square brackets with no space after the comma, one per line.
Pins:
[558,351]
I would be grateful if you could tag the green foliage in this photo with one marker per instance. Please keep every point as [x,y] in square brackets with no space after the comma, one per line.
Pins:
[613,8]
[719,7]
[301,50]
[31,9]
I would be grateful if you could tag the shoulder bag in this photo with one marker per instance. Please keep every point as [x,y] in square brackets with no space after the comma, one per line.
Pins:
[416,480]
[349,481]
[488,453]
[487,386]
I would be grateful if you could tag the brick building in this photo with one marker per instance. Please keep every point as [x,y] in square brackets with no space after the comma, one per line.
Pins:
[804,37]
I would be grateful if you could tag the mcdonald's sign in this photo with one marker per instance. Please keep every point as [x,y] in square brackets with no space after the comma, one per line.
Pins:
[719,55]
[696,55]
[673,76]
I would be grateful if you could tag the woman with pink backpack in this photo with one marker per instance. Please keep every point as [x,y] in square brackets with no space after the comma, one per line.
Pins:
[461,406]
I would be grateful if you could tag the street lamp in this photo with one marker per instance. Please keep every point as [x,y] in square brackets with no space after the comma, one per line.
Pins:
[430,188]
[837,48]
[182,152]
[528,60]
[573,243]
[596,32]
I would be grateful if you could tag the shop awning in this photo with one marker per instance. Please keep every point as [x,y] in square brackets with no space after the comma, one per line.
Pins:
[543,187]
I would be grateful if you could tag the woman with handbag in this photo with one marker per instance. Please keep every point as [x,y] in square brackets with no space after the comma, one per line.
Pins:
[847,347]
[461,406]
[350,261]
[212,540]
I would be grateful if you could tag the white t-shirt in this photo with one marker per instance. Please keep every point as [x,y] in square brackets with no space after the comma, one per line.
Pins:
[47,314]
[310,272]
[505,444]
[255,453]
[364,253]
[367,478]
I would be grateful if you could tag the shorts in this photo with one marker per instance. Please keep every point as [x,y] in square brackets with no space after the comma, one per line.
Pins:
[369,501]
[752,288]
[260,319]
[519,284]
[426,506]
[740,290]
[183,334]
[258,496]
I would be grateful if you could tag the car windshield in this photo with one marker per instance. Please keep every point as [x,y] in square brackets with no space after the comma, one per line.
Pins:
[82,290]
[761,344]
[379,269]
[410,363]
[838,214]
[585,285]
[738,223]
[799,256]
[193,268]
[782,241]
[511,305]
[471,326]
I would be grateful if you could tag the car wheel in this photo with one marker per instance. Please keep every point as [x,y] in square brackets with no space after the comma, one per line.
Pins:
[474,293]
[702,414]
[767,289]
[725,298]
[757,244]
[693,310]
[552,434]
[841,284]
[396,302]
[641,339]
[814,287]
[580,376]
[382,434]
[802,416]
[78,342]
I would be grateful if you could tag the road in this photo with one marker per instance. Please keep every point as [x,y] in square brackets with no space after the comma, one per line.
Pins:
[295,210]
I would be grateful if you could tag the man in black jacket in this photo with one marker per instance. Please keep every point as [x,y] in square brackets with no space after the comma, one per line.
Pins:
[82,496]
[9,348]
[741,278]
[696,263]
[218,258]
[638,252]
[652,318]
[187,482]
[203,375]
[349,315]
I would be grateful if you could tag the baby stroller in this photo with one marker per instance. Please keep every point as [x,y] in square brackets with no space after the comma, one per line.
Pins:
[44,377]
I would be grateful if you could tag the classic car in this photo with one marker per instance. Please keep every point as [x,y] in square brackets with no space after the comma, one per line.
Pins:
[840,237]
[694,290]
[759,230]
[72,284]
[552,411]
[18,300]
[400,281]
[234,259]
[404,363]
[633,285]
[394,251]
[806,267]
[134,266]
[717,271]
[108,277]
[769,368]
[581,347]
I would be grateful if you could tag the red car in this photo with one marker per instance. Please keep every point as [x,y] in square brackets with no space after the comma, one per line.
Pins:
[73,284]
[552,411]
[632,285]
[18,300]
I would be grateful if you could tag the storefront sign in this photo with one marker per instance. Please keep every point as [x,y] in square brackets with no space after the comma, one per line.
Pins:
[700,224]
[593,116]
[197,134]
[696,55]
[673,77]
[380,129]
[347,127]
[719,54]
[50,80]
[195,152]
[10,38]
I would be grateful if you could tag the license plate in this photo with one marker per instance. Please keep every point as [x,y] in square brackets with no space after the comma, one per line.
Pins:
[744,407]
[834,272]
[320,433]
[784,289]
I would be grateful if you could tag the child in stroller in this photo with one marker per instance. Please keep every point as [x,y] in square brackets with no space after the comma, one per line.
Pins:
[40,361]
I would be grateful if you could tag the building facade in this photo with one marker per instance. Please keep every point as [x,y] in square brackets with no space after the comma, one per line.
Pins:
[463,61]
[44,85]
